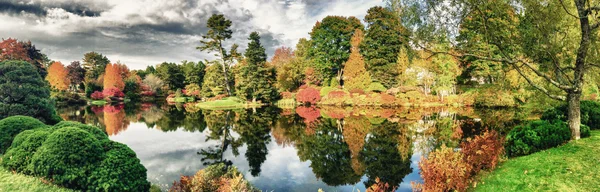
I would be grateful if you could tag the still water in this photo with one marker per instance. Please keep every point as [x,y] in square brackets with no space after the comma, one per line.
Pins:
[302,149]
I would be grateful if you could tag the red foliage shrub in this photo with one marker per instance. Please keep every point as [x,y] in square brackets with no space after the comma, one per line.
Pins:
[336,94]
[97,95]
[308,95]
[387,99]
[310,114]
[483,152]
[147,93]
[183,184]
[358,91]
[444,170]
[113,92]
[387,113]
[286,95]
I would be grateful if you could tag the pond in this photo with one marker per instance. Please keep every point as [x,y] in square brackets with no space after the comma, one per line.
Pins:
[302,149]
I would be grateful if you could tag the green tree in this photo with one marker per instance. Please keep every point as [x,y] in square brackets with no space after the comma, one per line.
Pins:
[290,71]
[193,72]
[330,40]
[383,40]
[255,80]
[254,129]
[24,92]
[219,31]
[172,74]
[94,63]
[214,81]
[355,73]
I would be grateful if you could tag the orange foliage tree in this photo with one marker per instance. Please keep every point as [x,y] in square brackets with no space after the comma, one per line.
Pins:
[355,72]
[113,77]
[58,76]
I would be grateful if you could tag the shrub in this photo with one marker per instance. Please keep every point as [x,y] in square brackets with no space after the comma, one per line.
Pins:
[535,136]
[217,177]
[26,143]
[95,131]
[12,126]
[24,92]
[357,91]
[590,113]
[308,95]
[113,92]
[336,94]
[483,152]
[444,170]
[120,170]
[91,88]
[325,91]
[376,87]
[192,90]
[97,95]
[585,131]
[66,157]
[286,95]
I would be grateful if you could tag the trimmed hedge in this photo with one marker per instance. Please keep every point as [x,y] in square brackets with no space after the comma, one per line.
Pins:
[76,156]
[536,136]
[66,157]
[590,114]
[119,171]
[95,131]
[11,126]
[24,146]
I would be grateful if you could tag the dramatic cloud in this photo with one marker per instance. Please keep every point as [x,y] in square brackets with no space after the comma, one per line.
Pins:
[147,32]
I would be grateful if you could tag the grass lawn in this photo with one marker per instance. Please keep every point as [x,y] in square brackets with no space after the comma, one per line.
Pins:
[227,103]
[572,167]
[19,182]
[98,102]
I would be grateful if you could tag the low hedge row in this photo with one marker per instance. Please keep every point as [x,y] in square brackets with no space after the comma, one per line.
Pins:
[72,155]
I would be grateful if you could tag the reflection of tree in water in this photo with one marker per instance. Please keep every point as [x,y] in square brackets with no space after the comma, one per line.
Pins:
[114,119]
[288,129]
[254,128]
[151,114]
[355,130]
[329,154]
[381,154]
[220,125]
[172,119]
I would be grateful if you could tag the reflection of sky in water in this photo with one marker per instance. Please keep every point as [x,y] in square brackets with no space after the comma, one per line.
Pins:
[168,155]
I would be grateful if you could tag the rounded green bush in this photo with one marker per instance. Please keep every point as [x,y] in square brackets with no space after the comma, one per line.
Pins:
[585,131]
[67,157]
[376,87]
[99,134]
[11,126]
[590,114]
[535,136]
[120,170]
[24,146]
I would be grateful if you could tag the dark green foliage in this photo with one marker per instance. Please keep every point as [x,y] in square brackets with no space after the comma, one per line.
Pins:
[67,157]
[214,81]
[382,43]
[12,126]
[256,81]
[219,31]
[171,74]
[132,90]
[535,136]
[120,170]
[194,72]
[590,114]
[331,45]
[376,87]
[92,87]
[67,98]
[24,92]
[585,131]
[95,131]
[95,64]
[26,143]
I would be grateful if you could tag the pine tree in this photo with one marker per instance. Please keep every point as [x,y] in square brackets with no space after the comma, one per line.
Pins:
[256,80]
[58,76]
[355,73]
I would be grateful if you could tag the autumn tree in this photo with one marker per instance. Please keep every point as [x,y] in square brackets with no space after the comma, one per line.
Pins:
[290,66]
[256,80]
[76,74]
[219,31]
[383,40]
[95,64]
[58,76]
[330,40]
[113,77]
[355,73]
[556,41]
[11,49]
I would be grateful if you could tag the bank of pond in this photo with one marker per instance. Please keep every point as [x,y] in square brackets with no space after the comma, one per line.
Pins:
[181,147]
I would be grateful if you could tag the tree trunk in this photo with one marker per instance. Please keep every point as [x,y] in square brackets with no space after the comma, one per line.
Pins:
[574,114]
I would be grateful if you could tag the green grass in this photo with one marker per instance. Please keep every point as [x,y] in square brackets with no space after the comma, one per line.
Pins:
[19,182]
[572,167]
[98,102]
[227,103]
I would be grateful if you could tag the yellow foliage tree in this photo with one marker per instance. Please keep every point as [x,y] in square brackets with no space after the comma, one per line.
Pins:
[57,76]
[355,73]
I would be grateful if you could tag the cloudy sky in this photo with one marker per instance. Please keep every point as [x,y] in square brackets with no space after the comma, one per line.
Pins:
[147,32]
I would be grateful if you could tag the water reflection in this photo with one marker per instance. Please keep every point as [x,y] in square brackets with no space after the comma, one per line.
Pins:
[302,149]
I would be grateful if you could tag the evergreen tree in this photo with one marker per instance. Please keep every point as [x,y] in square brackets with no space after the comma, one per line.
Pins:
[256,80]
[214,81]
[94,63]
[330,40]
[381,45]
[172,74]
[355,73]
[193,72]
